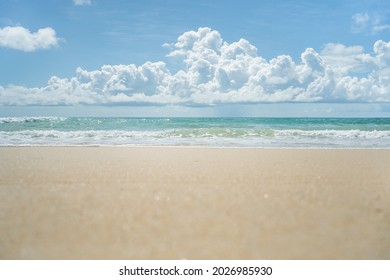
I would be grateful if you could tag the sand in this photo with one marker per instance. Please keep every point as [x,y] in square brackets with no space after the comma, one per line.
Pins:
[194,203]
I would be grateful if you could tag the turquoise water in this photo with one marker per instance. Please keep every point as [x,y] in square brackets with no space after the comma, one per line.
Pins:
[216,132]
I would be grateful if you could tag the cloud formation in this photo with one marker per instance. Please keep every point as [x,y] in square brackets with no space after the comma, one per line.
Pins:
[82,2]
[363,23]
[217,72]
[360,22]
[20,38]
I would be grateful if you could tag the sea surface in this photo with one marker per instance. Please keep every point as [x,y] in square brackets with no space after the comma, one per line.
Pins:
[353,133]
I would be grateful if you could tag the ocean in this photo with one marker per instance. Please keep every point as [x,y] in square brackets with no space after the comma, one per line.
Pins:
[350,133]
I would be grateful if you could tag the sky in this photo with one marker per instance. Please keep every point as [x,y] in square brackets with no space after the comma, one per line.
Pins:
[195,58]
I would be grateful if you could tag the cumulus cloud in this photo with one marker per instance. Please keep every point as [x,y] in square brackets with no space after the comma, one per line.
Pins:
[20,38]
[217,72]
[347,60]
[82,2]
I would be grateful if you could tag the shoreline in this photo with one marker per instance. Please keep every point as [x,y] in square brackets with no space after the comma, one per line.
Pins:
[194,203]
[198,147]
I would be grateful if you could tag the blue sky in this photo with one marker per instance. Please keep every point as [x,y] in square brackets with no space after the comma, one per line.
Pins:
[319,57]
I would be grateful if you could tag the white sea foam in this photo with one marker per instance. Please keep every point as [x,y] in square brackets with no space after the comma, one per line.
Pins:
[335,134]
[81,137]
[201,137]
[30,119]
[215,132]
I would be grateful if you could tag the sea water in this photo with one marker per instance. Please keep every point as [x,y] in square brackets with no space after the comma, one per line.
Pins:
[354,133]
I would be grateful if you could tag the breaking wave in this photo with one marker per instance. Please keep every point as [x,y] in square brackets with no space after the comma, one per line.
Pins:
[237,137]
[229,132]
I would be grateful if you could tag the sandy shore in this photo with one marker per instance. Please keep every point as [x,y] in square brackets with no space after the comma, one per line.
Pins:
[194,203]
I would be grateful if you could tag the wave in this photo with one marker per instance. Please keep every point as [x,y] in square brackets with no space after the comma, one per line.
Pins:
[275,133]
[200,136]
[336,134]
[80,137]
[31,119]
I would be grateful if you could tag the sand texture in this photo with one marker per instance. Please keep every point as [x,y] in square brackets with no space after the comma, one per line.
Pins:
[194,203]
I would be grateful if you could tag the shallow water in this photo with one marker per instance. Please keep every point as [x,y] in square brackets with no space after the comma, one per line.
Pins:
[351,133]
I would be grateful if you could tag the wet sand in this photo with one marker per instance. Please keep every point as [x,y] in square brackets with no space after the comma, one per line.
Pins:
[194,203]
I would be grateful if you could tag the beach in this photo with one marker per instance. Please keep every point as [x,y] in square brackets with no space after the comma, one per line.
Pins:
[194,203]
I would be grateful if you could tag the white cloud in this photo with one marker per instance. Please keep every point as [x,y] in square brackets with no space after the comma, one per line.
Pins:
[215,72]
[82,2]
[20,38]
[347,60]
[360,22]
[363,23]
[379,28]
